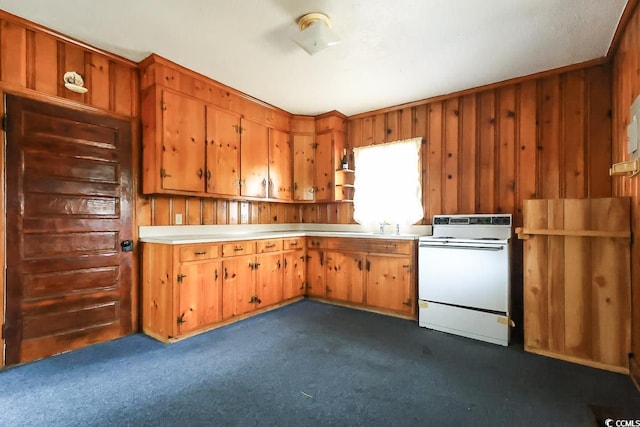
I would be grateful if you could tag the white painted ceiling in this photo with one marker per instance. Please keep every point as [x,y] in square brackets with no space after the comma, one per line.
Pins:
[392,51]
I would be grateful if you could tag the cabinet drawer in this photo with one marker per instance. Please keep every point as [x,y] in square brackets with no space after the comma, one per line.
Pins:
[385,246]
[198,252]
[269,245]
[313,242]
[293,243]
[238,248]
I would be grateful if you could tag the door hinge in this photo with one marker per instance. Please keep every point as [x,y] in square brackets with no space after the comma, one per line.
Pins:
[238,129]
[314,145]
[180,319]
[163,173]
[180,277]
[5,123]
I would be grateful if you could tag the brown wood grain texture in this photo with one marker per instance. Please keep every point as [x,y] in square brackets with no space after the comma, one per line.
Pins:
[71,169]
[577,286]
[486,152]
[451,158]
[625,89]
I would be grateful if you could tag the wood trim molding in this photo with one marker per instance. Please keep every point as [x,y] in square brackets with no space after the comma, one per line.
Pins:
[491,86]
[30,25]
[157,59]
[627,14]
[63,102]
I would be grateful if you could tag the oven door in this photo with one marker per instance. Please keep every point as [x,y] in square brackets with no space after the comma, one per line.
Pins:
[466,274]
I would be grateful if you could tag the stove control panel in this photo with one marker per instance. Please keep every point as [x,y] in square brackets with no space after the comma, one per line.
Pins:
[472,220]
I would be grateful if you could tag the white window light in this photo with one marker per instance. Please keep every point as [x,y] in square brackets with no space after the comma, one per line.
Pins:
[388,185]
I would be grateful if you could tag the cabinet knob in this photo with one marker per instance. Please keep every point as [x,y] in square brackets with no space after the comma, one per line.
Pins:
[200,173]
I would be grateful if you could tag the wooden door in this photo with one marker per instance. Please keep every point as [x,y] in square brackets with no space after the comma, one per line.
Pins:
[388,283]
[223,152]
[69,195]
[238,286]
[293,274]
[324,168]
[316,286]
[344,276]
[303,167]
[254,152]
[183,148]
[199,295]
[280,176]
[268,279]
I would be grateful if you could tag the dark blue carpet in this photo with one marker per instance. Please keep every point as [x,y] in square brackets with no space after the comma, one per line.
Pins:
[308,364]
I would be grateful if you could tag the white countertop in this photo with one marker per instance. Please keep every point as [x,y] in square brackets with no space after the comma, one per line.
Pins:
[186,234]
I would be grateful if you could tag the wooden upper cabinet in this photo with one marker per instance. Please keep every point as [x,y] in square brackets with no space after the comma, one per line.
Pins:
[280,173]
[183,148]
[254,153]
[200,138]
[303,167]
[324,167]
[223,152]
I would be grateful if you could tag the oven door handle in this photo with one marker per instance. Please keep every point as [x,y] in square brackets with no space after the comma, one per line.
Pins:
[475,248]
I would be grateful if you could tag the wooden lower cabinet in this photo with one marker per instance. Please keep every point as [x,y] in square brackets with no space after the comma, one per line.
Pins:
[182,289]
[389,283]
[199,295]
[316,286]
[194,287]
[376,274]
[345,276]
[251,282]
[293,268]
[238,286]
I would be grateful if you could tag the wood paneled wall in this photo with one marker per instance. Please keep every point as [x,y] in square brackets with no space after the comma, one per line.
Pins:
[488,151]
[33,60]
[162,210]
[626,88]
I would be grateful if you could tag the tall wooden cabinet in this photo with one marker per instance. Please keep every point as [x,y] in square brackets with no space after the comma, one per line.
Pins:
[577,280]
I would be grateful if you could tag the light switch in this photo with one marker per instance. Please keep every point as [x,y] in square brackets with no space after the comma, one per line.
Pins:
[178,220]
[632,130]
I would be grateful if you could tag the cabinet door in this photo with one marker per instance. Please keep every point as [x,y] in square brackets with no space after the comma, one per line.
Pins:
[254,152]
[324,167]
[389,283]
[315,273]
[279,165]
[268,279]
[199,295]
[223,152]
[344,280]
[293,274]
[238,286]
[183,148]
[303,167]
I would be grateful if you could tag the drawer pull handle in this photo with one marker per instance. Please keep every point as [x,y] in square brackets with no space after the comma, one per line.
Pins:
[270,245]
[293,244]
[238,249]
[200,253]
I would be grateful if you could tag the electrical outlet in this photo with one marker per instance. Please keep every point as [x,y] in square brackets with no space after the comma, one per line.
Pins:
[178,220]
[244,213]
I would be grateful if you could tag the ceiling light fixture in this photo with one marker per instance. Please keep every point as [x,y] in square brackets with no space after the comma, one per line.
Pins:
[315,33]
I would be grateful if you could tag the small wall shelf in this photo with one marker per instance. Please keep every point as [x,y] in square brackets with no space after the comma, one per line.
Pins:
[344,187]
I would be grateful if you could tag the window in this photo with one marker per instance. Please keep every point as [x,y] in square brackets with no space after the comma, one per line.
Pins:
[387,183]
